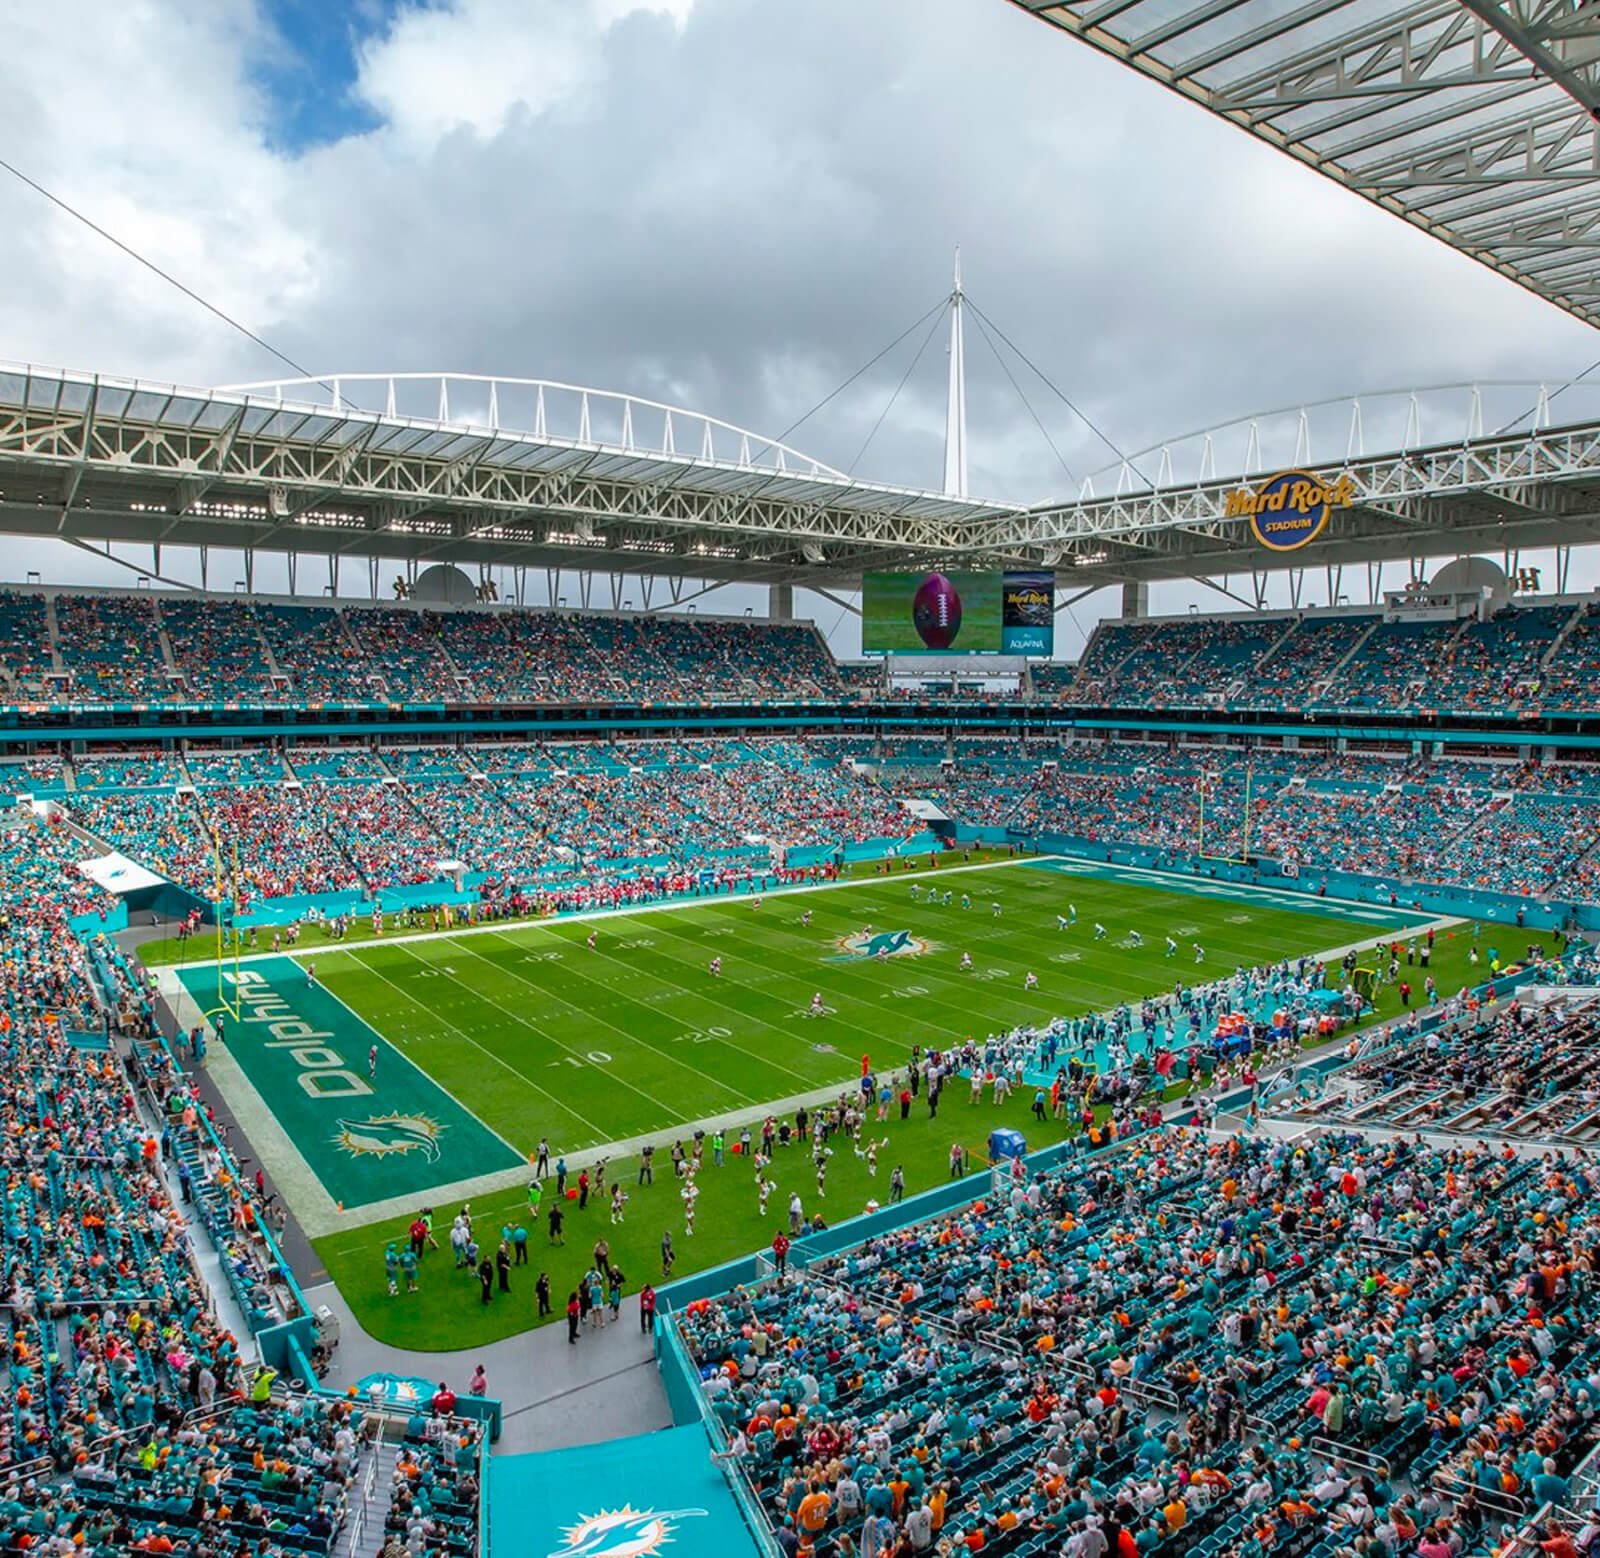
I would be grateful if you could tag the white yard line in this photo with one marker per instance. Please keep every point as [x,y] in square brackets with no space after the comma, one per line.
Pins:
[731,1122]
[319,1214]
[490,927]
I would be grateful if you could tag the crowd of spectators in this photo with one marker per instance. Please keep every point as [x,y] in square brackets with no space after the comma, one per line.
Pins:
[25,658]
[218,649]
[134,770]
[1231,1346]
[163,648]
[130,1417]
[110,646]
[1528,1070]
[1528,658]
[521,812]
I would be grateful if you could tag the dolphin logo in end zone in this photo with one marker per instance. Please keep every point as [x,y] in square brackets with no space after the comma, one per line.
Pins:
[383,1134]
[622,1533]
[882,943]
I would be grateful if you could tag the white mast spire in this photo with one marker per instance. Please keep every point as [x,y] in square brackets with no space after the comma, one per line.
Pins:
[955,419]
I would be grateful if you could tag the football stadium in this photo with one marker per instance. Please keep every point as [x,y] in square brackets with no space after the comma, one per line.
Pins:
[496,1071]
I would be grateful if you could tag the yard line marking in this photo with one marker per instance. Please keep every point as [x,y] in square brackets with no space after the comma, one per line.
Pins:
[499,1060]
[583,916]
[679,990]
[405,1059]
[522,1022]
[871,1035]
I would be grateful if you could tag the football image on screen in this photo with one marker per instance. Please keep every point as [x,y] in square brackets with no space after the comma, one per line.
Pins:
[936,611]
[931,611]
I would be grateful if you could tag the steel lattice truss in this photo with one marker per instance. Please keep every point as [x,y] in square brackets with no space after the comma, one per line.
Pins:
[107,459]
[1496,493]
[1475,120]
[98,460]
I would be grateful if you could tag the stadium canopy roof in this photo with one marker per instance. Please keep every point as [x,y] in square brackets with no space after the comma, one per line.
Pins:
[95,460]
[1475,120]
[523,472]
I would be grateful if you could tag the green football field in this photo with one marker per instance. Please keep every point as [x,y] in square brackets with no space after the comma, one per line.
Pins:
[540,1035]
[487,1040]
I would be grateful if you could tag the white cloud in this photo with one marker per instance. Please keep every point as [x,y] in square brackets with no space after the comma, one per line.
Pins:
[476,64]
[730,204]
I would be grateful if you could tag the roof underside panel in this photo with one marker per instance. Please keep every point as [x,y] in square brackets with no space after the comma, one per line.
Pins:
[1475,120]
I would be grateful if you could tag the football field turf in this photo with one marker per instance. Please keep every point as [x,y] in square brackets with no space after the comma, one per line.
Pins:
[488,1040]
[491,1038]
[539,1035]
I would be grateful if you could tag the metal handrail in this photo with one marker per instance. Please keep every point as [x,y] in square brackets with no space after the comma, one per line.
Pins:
[1350,1455]
[1458,1487]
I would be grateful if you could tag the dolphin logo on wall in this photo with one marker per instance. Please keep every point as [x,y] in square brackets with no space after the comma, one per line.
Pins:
[622,1533]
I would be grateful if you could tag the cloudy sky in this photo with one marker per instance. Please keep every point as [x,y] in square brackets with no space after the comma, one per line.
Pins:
[726,204]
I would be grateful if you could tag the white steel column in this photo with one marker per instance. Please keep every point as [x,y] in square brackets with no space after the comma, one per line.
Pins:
[955,417]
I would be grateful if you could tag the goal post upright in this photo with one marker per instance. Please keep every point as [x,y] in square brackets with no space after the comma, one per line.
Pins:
[226,903]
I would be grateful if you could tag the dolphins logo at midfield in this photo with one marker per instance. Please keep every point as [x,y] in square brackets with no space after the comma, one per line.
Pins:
[622,1533]
[881,943]
[382,1135]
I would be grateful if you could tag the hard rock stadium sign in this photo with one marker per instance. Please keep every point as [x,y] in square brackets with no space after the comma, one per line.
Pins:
[1291,509]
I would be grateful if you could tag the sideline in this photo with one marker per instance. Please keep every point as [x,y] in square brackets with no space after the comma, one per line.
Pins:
[332,1220]
[579,916]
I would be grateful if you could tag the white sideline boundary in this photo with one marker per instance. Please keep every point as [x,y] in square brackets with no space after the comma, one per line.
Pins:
[582,916]
[320,1215]
[1277,898]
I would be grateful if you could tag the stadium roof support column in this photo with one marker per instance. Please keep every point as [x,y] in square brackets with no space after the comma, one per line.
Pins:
[955,417]
[1135,598]
[780,602]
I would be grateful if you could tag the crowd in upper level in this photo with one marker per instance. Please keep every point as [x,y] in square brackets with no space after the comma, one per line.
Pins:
[1525,659]
[162,649]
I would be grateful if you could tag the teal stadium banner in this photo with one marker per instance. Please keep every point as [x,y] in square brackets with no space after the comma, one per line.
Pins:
[631,1498]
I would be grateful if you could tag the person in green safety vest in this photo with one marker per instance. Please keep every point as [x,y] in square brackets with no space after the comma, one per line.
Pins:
[261,1386]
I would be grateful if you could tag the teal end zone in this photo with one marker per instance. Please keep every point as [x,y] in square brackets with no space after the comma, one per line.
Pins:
[366,1138]
[656,1493]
